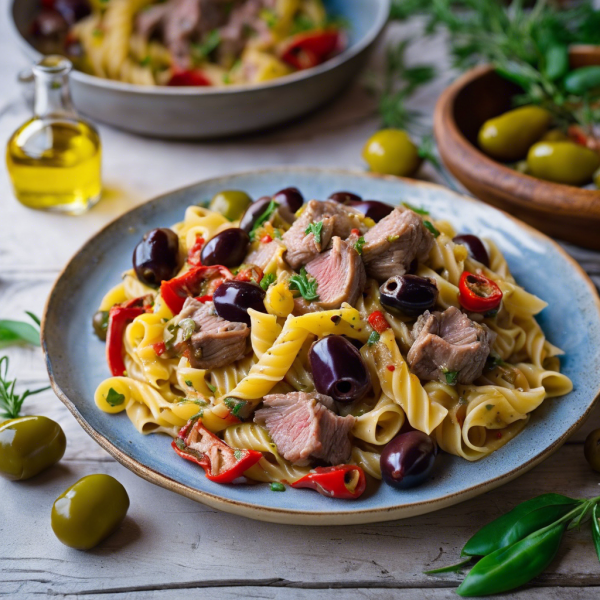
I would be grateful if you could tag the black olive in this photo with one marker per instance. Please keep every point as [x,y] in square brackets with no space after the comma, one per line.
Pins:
[228,248]
[100,324]
[344,197]
[289,199]
[372,208]
[232,299]
[156,257]
[474,246]
[407,460]
[411,294]
[338,369]
[253,212]
[50,26]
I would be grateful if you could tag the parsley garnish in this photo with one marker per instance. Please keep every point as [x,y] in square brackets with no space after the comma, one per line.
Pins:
[10,403]
[489,406]
[315,229]
[145,61]
[211,387]
[238,454]
[269,17]
[114,398]
[180,444]
[360,242]
[277,487]
[373,338]
[267,280]
[493,362]
[187,326]
[188,382]
[419,211]
[431,228]
[210,42]
[271,208]
[234,405]
[451,377]
[307,287]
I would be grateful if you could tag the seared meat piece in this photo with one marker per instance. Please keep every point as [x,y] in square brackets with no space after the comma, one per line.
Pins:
[244,21]
[303,426]
[340,275]
[263,255]
[214,342]
[449,342]
[394,243]
[338,220]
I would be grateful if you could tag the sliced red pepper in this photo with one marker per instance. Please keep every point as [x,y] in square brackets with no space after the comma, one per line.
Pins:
[194,254]
[159,348]
[378,322]
[221,462]
[146,302]
[265,239]
[477,293]
[118,318]
[189,78]
[250,273]
[175,291]
[343,481]
[204,299]
[306,50]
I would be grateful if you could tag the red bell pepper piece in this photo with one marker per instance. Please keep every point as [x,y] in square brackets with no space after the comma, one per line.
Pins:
[204,299]
[343,481]
[221,462]
[118,318]
[194,254]
[159,348]
[251,273]
[189,78]
[477,293]
[306,50]
[175,291]
[378,322]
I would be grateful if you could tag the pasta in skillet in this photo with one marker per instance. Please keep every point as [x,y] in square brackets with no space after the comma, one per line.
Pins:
[297,343]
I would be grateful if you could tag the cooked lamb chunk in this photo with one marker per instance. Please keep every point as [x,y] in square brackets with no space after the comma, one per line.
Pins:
[263,255]
[392,244]
[338,220]
[244,21]
[214,342]
[303,426]
[340,275]
[303,307]
[449,342]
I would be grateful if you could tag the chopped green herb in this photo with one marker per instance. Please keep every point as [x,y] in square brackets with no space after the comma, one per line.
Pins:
[393,238]
[419,211]
[114,398]
[188,382]
[209,43]
[302,23]
[238,454]
[493,362]
[307,287]
[462,400]
[97,32]
[227,78]
[431,228]
[269,17]
[145,61]
[267,280]
[373,338]
[211,387]
[277,233]
[271,208]
[234,405]
[489,406]
[187,326]
[360,242]
[11,403]
[277,487]
[180,444]
[451,377]
[315,229]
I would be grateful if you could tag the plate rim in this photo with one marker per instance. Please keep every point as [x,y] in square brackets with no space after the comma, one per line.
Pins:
[295,516]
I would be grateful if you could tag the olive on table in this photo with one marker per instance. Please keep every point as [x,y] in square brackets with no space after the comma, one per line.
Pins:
[345,197]
[373,209]
[89,511]
[228,248]
[156,257]
[100,324]
[290,200]
[230,203]
[29,445]
[475,247]
[408,459]
[563,162]
[509,136]
[253,212]
[591,449]
[338,369]
[554,135]
[410,294]
[232,299]
[392,152]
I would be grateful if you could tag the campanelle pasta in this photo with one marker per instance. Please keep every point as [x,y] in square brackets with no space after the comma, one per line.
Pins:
[467,366]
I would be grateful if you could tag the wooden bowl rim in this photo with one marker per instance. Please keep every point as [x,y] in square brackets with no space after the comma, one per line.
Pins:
[549,196]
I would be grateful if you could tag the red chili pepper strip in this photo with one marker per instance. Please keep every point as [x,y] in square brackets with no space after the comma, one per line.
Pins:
[378,322]
[477,293]
[343,481]
[195,252]
[221,463]
[189,78]
[118,317]
[159,348]
[306,50]
[175,291]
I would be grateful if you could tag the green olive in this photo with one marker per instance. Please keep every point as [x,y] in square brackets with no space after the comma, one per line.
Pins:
[591,449]
[100,324]
[597,179]
[563,162]
[391,152]
[230,203]
[28,445]
[554,135]
[509,136]
[89,511]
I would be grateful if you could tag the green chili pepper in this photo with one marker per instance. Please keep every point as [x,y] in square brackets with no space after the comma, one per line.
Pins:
[556,61]
[508,568]
[596,529]
[518,523]
[583,80]
[513,72]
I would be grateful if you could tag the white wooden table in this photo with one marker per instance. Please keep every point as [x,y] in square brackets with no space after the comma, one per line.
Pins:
[169,545]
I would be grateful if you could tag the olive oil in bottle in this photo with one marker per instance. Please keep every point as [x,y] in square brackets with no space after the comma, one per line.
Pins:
[54,159]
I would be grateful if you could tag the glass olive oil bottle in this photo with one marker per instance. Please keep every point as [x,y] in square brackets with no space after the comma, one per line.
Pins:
[54,158]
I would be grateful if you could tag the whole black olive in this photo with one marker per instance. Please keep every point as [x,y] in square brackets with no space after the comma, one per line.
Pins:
[345,197]
[253,212]
[289,199]
[407,460]
[474,246]
[228,248]
[338,369]
[100,324]
[50,26]
[73,10]
[232,300]
[372,208]
[156,257]
[411,294]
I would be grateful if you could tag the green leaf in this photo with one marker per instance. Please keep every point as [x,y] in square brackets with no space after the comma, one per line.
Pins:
[315,229]
[234,405]
[271,208]
[419,211]
[114,398]
[18,332]
[211,387]
[596,529]
[360,242]
[189,383]
[450,568]
[307,287]
[34,318]
[209,43]
[451,377]
[430,227]
[373,338]
[267,280]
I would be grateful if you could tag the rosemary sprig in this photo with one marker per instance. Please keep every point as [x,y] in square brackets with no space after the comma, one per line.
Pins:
[10,402]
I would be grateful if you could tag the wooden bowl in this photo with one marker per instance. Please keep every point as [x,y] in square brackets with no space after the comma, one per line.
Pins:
[563,211]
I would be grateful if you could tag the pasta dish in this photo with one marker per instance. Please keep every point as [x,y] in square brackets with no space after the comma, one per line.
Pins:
[321,343]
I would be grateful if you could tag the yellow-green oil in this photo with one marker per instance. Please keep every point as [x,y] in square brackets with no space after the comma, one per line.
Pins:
[55,164]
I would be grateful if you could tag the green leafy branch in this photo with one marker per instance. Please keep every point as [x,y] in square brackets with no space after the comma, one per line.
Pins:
[10,401]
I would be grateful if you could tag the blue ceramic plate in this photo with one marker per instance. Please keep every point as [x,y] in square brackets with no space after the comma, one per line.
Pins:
[76,361]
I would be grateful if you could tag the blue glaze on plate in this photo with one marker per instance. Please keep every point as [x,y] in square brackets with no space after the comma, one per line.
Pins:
[77,364]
